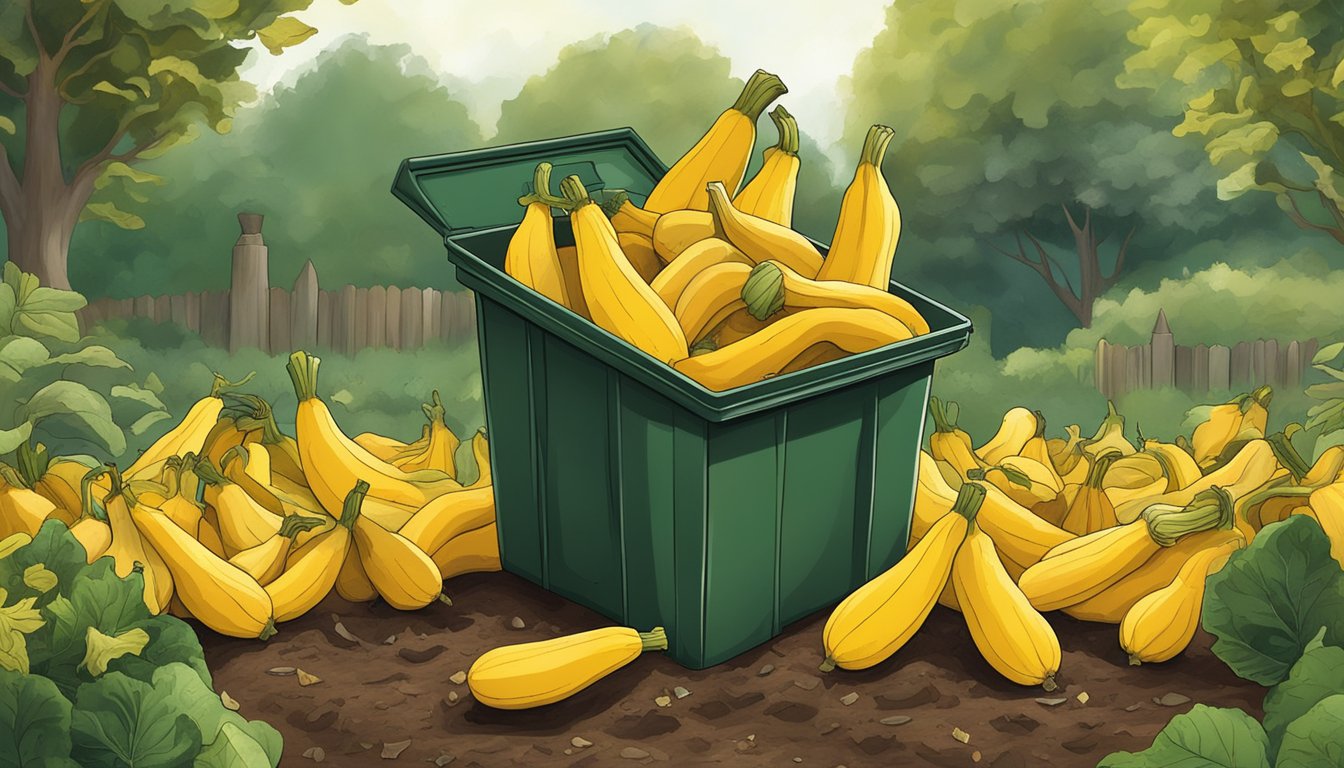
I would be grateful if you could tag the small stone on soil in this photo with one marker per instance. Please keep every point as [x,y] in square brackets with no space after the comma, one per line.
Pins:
[1051,701]
[1083,697]
[390,640]
[580,742]
[849,698]
[765,670]
[306,679]
[975,756]
[228,701]
[345,633]
[444,759]
[962,736]
[1171,700]
[663,701]
[797,759]
[459,677]
[634,753]
[393,749]
[517,623]
[452,697]
[280,671]
[316,754]
[895,720]
[829,728]
[1133,707]
[680,692]
[807,683]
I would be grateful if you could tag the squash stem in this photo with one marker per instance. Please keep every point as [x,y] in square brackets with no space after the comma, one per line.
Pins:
[827,665]
[1100,466]
[1209,510]
[208,473]
[574,193]
[761,90]
[875,145]
[354,500]
[653,640]
[1288,455]
[969,499]
[788,130]
[219,384]
[938,409]
[302,369]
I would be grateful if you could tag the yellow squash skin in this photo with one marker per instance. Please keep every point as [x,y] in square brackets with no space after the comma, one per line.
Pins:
[1110,435]
[1017,427]
[678,230]
[1328,469]
[94,535]
[311,570]
[536,674]
[22,510]
[480,450]
[639,250]
[531,258]
[1241,419]
[266,561]
[1012,636]
[1038,450]
[632,218]
[1253,466]
[401,572]
[949,443]
[618,298]
[869,227]
[449,516]
[1026,481]
[671,283]
[803,293]
[877,619]
[333,463]
[1021,537]
[474,551]
[760,239]
[189,434]
[1111,605]
[440,450]
[352,581]
[1090,508]
[1162,624]
[128,550]
[767,351]
[710,298]
[1178,466]
[721,154]
[242,522]
[569,265]
[381,446]
[221,595]
[1326,506]
[769,195]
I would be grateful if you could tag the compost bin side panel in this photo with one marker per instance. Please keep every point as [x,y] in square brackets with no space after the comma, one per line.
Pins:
[822,450]
[902,402]
[509,401]
[741,537]
[583,543]
[647,452]
[690,467]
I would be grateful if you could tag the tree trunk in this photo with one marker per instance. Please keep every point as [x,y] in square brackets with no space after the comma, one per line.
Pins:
[40,215]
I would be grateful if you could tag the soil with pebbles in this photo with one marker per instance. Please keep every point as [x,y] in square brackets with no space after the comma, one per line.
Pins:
[387,677]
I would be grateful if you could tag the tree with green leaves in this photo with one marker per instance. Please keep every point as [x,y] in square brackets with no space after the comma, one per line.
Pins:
[324,191]
[1010,129]
[1262,82]
[669,86]
[89,88]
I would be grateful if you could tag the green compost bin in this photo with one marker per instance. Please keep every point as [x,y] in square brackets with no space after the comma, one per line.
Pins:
[629,488]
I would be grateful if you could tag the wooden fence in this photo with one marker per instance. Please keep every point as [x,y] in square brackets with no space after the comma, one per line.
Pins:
[253,313]
[1161,362]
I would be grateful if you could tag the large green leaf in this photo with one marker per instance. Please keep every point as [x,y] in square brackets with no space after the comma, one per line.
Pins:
[1330,351]
[55,548]
[1205,737]
[194,699]
[45,299]
[170,640]
[8,303]
[136,393]
[233,748]
[1315,676]
[72,399]
[34,722]
[1316,739]
[1272,598]
[94,355]
[20,353]
[120,721]
[142,424]
[11,439]
[283,33]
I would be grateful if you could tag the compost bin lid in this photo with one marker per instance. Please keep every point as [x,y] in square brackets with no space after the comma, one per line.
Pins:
[465,192]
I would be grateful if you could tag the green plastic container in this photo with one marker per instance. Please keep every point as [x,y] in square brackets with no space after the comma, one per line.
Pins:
[628,488]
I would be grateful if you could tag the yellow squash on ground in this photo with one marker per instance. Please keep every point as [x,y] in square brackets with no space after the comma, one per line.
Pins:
[311,570]
[536,674]
[474,551]
[1162,624]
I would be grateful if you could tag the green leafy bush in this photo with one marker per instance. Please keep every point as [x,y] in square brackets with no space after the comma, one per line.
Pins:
[57,387]
[86,669]
[1277,609]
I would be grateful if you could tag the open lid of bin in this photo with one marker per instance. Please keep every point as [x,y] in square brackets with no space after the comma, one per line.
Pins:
[466,192]
[471,199]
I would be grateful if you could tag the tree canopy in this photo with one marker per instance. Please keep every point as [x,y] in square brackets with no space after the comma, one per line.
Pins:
[1263,85]
[317,157]
[1013,138]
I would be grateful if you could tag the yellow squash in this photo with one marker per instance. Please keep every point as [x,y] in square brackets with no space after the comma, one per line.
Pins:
[449,516]
[401,572]
[794,291]
[531,257]
[474,551]
[710,298]
[639,250]
[618,298]
[266,561]
[869,227]
[311,570]
[628,217]
[536,674]
[129,551]
[761,239]
[672,282]
[770,192]
[676,231]
[440,450]
[1230,423]
[1162,624]
[1088,507]
[949,443]
[721,154]
[480,451]
[1252,466]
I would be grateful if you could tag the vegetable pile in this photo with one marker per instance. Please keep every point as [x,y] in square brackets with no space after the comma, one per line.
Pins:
[710,278]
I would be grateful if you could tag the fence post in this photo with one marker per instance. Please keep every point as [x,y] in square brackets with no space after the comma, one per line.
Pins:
[1220,367]
[249,290]
[303,309]
[1164,352]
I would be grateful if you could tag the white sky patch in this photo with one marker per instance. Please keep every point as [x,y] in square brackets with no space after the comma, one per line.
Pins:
[487,51]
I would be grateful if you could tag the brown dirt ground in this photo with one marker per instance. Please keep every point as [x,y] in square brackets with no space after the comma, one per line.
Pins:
[393,684]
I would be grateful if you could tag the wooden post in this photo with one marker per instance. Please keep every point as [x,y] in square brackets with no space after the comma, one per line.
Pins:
[393,318]
[324,318]
[1272,363]
[177,309]
[142,306]
[1099,368]
[1164,353]
[163,312]
[215,318]
[376,317]
[1241,365]
[1146,366]
[303,309]
[249,291]
[1257,362]
[345,321]
[1133,367]
[1292,365]
[1220,367]
[361,318]
[1200,369]
[432,301]
[1184,366]
[412,315]
[278,338]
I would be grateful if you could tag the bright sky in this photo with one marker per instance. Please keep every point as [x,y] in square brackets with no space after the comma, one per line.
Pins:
[497,44]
